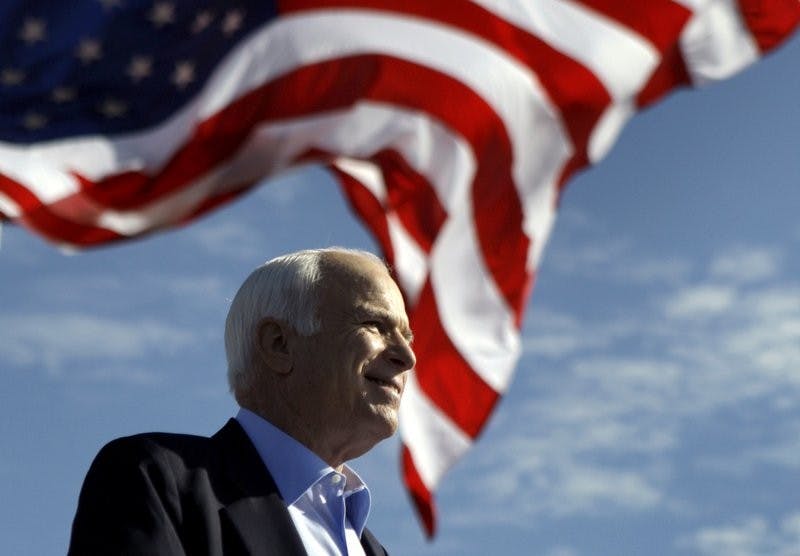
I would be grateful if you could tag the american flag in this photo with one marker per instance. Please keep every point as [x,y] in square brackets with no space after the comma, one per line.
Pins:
[452,126]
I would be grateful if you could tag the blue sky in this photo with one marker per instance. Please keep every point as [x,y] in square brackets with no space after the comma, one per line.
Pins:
[655,410]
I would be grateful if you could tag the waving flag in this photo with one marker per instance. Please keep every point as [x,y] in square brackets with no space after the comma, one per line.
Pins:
[451,125]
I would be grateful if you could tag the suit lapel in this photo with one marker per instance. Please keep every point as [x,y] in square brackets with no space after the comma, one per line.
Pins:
[264,526]
[255,510]
[371,545]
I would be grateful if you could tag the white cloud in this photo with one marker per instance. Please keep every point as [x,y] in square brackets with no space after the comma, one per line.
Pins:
[132,376]
[76,288]
[699,301]
[556,335]
[197,287]
[90,289]
[780,449]
[524,477]
[745,265]
[53,341]
[613,260]
[669,270]
[562,551]
[775,301]
[583,488]
[588,257]
[790,525]
[592,440]
[753,536]
[573,218]
[626,377]
[554,345]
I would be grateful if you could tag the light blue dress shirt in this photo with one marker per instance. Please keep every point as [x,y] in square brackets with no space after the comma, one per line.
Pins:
[329,509]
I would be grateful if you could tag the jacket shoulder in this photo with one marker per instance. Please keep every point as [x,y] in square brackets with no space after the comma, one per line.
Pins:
[150,493]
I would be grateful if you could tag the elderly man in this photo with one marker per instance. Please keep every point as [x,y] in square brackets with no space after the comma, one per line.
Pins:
[318,348]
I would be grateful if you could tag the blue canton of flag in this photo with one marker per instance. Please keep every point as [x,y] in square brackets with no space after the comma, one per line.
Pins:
[110,66]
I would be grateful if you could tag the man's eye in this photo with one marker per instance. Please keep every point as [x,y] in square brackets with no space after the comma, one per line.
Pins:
[372,324]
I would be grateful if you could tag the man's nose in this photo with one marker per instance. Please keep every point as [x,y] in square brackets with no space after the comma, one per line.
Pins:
[401,354]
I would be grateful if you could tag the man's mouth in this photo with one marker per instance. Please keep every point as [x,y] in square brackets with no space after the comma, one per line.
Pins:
[390,384]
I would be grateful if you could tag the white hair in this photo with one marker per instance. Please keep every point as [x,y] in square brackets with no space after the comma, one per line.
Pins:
[283,288]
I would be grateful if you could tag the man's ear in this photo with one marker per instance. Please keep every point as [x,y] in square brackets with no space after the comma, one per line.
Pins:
[273,345]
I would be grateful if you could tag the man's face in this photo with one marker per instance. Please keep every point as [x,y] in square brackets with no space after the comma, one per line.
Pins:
[347,378]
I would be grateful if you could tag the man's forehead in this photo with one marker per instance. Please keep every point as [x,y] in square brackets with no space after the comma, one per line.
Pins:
[350,266]
[371,308]
[364,288]
[353,271]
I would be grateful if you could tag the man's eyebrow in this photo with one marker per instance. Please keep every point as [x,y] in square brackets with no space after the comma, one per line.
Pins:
[405,330]
[366,312]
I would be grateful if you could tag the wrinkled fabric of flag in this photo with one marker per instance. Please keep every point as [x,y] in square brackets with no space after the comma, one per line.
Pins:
[452,127]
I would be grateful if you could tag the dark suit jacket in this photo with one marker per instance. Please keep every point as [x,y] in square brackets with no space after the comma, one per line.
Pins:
[159,493]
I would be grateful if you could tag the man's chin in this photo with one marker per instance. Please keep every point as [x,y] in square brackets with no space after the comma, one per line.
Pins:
[386,421]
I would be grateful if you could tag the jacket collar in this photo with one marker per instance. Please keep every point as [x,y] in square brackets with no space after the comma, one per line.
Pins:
[256,510]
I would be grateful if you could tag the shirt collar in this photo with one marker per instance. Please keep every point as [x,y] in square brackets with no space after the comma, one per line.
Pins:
[357,496]
[295,468]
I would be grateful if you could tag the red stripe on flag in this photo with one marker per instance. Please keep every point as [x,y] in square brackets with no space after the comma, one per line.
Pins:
[499,220]
[368,208]
[420,495]
[770,21]
[443,374]
[670,74]
[409,197]
[412,198]
[213,141]
[569,169]
[47,221]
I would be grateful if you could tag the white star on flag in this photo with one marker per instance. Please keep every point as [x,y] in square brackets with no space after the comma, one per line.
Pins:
[232,22]
[33,30]
[139,68]
[110,4]
[11,76]
[34,121]
[113,108]
[63,94]
[201,21]
[183,74]
[89,50]
[162,13]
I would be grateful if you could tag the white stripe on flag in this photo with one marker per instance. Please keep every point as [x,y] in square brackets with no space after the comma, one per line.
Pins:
[410,262]
[9,207]
[716,43]
[434,441]
[472,310]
